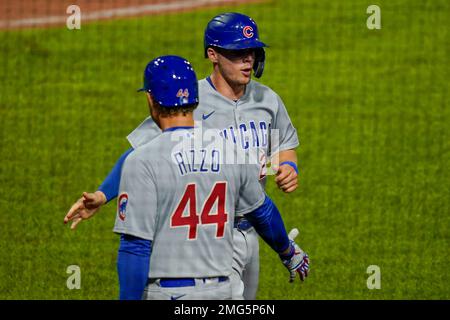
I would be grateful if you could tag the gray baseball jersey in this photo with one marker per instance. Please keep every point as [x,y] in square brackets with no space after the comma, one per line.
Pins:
[258,122]
[247,122]
[185,199]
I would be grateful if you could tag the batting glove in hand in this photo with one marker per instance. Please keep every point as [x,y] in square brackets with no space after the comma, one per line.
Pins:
[296,261]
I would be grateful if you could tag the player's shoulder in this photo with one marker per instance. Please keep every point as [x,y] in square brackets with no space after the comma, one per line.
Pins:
[143,153]
[203,84]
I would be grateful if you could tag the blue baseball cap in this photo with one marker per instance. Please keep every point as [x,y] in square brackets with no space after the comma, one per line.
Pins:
[232,31]
[235,31]
[172,81]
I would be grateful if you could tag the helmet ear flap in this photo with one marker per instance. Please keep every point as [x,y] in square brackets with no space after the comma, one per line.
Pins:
[260,58]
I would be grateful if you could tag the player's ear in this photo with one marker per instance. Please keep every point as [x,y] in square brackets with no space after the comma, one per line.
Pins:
[151,103]
[212,55]
[150,99]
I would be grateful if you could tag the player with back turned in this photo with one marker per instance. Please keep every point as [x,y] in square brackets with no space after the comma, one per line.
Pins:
[244,112]
[176,210]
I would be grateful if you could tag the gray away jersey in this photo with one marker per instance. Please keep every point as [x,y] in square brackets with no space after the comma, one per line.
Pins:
[184,198]
[247,122]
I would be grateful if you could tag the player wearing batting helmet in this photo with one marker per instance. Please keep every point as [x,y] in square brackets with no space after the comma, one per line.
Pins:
[235,32]
[163,253]
[245,112]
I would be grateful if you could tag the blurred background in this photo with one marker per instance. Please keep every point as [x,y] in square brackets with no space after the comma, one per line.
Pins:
[371,108]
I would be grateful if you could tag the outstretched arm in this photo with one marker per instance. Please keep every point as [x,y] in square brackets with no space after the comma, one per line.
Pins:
[90,203]
[110,186]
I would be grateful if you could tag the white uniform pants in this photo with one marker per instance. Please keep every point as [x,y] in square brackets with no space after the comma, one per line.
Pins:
[245,276]
[204,289]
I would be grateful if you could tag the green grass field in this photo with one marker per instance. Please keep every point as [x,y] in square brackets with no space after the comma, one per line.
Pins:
[372,112]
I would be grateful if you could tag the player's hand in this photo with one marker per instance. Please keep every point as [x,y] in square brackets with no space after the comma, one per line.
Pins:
[296,261]
[85,208]
[286,178]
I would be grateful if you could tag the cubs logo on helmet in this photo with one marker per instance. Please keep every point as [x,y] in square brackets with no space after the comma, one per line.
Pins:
[122,206]
[248,31]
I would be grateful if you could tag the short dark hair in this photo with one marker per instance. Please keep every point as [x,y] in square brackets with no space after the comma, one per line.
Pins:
[184,109]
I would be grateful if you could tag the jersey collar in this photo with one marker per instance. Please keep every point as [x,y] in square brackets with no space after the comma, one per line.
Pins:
[178,128]
[210,82]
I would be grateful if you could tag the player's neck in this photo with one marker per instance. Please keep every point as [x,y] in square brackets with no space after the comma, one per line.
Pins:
[225,88]
[176,121]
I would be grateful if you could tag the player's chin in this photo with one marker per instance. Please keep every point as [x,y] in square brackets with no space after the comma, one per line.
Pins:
[245,77]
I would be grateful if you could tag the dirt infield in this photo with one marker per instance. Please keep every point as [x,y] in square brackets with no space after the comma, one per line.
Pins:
[43,13]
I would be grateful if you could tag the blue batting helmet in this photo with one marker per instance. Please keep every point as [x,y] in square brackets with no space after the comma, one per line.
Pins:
[172,81]
[235,31]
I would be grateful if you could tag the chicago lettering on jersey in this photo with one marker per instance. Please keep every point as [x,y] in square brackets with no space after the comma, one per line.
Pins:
[197,161]
[247,135]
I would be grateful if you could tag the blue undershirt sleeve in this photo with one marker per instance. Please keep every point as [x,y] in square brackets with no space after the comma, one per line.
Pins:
[133,264]
[110,186]
[268,223]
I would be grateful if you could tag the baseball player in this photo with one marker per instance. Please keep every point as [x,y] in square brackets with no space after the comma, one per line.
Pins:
[180,206]
[244,112]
